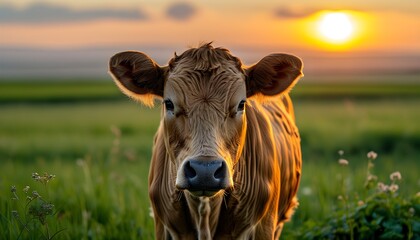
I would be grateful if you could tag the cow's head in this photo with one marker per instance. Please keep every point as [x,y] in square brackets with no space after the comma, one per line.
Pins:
[204,93]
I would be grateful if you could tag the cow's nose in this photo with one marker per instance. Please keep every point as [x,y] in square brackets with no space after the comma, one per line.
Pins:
[205,175]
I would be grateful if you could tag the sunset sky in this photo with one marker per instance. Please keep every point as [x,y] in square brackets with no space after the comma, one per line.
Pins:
[376,28]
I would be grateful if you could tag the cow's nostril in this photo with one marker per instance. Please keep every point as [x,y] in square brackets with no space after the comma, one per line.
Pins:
[189,171]
[220,172]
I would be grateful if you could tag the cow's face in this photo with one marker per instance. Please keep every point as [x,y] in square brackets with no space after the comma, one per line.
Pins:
[203,122]
[204,93]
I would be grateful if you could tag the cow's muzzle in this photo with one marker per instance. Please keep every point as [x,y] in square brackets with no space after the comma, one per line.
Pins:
[203,177]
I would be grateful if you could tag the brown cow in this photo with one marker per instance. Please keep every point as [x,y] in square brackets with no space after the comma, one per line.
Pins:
[226,159]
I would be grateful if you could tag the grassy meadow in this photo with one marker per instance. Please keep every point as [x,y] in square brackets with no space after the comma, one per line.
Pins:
[98,143]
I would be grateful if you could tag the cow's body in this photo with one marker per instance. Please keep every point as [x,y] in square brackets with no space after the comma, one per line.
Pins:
[253,156]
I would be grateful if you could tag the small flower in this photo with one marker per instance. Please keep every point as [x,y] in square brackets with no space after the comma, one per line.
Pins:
[372,155]
[411,211]
[340,152]
[343,162]
[372,178]
[307,191]
[360,203]
[395,176]
[393,187]
[50,177]
[340,197]
[26,189]
[47,208]
[44,179]
[382,187]
[35,176]
[13,190]
[35,194]
[80,162]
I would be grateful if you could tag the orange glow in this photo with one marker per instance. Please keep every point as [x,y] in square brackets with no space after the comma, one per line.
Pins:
[371,31]
[337,30]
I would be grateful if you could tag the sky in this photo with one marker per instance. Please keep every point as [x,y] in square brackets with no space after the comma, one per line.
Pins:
[76,38]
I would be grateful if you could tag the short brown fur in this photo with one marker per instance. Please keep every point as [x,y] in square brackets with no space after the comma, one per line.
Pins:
[260,145]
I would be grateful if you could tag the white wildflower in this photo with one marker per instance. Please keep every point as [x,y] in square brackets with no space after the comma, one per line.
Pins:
[395,176]
[307,191]
[372,177]
[343,162]
[36,176]
[372,155]
[382,187]
[411,211]
[80,162]
[393,187]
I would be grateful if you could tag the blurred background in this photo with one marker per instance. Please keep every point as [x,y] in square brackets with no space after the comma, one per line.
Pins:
[68,39]
[61,113]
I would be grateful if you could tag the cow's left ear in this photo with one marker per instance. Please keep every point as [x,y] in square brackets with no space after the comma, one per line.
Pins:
[138,76]
[274,74]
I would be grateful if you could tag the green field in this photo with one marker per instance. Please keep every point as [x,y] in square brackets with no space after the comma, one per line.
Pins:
[98,144]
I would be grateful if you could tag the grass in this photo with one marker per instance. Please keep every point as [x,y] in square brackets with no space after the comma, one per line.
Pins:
[386,125]
[98,144]
[68,131]
[93,200]
[80,91]
[58,91]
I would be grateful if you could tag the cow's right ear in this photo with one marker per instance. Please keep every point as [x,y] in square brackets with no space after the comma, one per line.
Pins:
[138,76]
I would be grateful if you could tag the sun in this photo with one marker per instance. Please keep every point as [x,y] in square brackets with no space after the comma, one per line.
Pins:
[336,27]
[336,30]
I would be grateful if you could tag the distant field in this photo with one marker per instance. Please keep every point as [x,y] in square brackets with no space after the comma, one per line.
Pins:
[67,91]
[100,190]
[77,91]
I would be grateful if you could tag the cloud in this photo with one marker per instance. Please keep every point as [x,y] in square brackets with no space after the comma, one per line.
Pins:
[47,13]
[181,11]
[293,13]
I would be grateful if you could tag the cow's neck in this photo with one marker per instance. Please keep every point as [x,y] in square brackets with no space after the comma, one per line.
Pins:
[205,212]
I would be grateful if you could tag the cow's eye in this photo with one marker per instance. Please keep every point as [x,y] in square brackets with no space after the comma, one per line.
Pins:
[241,105]
[169,105]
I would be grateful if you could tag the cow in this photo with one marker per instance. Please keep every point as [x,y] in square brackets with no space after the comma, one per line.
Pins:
[226,161]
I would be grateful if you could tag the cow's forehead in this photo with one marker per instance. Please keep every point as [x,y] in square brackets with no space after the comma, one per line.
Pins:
[216,67]
[191,86]
[205,74]
[205,58]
